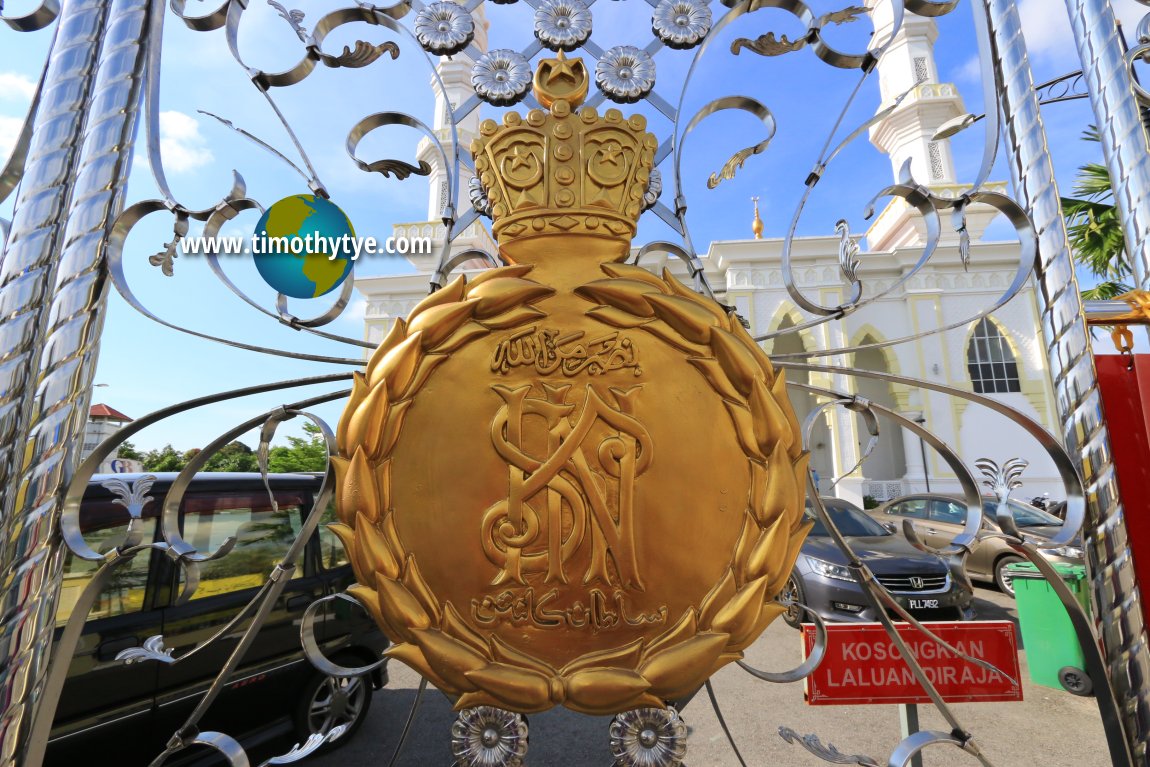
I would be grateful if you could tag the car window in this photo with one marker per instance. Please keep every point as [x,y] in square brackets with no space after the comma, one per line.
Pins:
[849,521]
[331,550]
[1028,516]
[947,512]
[915,507]
[103,523]
[263,535]
[1024,516]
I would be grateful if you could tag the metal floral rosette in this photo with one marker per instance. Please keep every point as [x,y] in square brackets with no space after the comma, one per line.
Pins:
[519,484]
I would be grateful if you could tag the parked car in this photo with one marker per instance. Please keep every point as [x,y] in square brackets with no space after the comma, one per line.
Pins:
[942,517]
[276,698]
[920,582]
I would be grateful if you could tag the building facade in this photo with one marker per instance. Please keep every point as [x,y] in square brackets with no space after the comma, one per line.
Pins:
[103,422]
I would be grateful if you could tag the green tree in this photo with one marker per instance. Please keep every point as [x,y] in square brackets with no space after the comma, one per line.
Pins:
[1095,230]
[304,454]
[307,453]
[164,459]
[235,456]
[128,450]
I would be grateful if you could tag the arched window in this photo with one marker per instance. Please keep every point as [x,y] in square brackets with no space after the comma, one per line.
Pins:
[993,369]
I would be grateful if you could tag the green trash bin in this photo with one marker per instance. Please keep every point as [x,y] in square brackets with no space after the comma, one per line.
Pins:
[1053,653]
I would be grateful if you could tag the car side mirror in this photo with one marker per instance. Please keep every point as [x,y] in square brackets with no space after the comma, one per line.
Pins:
[890,526]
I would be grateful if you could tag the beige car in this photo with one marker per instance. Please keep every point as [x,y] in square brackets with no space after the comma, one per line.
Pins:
[939,518]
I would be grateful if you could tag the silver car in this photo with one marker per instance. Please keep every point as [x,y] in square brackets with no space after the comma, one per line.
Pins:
[942,517]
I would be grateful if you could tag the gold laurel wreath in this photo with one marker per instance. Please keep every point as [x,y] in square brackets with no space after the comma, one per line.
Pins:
[432,637]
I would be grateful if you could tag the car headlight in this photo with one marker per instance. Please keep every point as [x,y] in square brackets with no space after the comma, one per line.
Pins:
[829,570]
[1070,552]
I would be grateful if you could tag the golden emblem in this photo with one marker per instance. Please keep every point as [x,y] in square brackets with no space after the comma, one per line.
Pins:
[569,481]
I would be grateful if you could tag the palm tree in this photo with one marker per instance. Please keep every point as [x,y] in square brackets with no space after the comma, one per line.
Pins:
[1095,230]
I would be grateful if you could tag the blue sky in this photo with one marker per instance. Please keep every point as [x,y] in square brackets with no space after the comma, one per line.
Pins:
[146,366]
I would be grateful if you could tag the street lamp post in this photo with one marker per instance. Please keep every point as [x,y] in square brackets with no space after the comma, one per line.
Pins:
[922,449]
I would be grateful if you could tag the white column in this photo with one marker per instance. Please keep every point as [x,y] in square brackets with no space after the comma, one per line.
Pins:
[844,432]
[915,477]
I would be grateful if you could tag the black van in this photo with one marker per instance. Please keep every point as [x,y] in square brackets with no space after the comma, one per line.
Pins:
[276,698]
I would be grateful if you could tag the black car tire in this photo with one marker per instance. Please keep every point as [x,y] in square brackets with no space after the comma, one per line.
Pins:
[793,590]
[326,702]
[1001,578]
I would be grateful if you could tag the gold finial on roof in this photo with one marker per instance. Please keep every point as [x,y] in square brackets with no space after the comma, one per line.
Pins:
[757,224]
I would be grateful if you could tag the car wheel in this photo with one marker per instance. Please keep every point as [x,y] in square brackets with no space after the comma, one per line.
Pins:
[793,592]
[328,702]
[1002,578]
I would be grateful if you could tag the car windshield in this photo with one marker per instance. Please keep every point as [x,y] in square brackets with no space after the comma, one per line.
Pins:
[1024,516]
[850,521]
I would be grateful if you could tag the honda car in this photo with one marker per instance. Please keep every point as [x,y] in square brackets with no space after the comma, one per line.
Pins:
[822,581]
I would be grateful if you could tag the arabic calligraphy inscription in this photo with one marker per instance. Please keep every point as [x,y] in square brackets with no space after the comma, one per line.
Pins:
[600,613]
[549,352]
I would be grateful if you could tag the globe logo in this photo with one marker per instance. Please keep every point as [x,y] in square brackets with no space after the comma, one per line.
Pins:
[294,242]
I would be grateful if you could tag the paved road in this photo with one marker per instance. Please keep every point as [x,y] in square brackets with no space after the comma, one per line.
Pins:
[1051,727]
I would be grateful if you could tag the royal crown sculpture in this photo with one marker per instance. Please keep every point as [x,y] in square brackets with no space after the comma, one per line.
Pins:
[569,481]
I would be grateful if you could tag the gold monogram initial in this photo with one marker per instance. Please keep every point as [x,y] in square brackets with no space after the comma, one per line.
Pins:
[564,489]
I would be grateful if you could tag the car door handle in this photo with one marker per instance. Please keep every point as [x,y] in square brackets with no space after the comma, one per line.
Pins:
[110,649]
[932,530]
[299,602]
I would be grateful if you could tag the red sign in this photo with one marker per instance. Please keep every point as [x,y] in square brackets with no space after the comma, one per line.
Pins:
[862,664]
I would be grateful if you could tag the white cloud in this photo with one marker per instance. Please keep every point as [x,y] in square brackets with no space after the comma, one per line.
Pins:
[1046,25]
[356,311]
[971,71]
[16,87]
[181,144]
[235,231]
[9,130]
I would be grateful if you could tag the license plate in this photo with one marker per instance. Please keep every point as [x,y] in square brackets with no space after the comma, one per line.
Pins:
[923,604]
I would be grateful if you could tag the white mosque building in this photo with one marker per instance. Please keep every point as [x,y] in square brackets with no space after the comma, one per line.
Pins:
[1002,356]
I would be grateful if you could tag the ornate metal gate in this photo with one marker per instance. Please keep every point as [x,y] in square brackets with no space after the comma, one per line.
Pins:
[65,247]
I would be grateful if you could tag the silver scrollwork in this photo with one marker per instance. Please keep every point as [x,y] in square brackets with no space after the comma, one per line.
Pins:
[152,649]
[828,752]
[1001,480]
[769,45]
[133,497]
[293,17]
[38,18]
[486,736]
[654,189]
[478,197]
[848,251]
[817,653]
[309,746]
